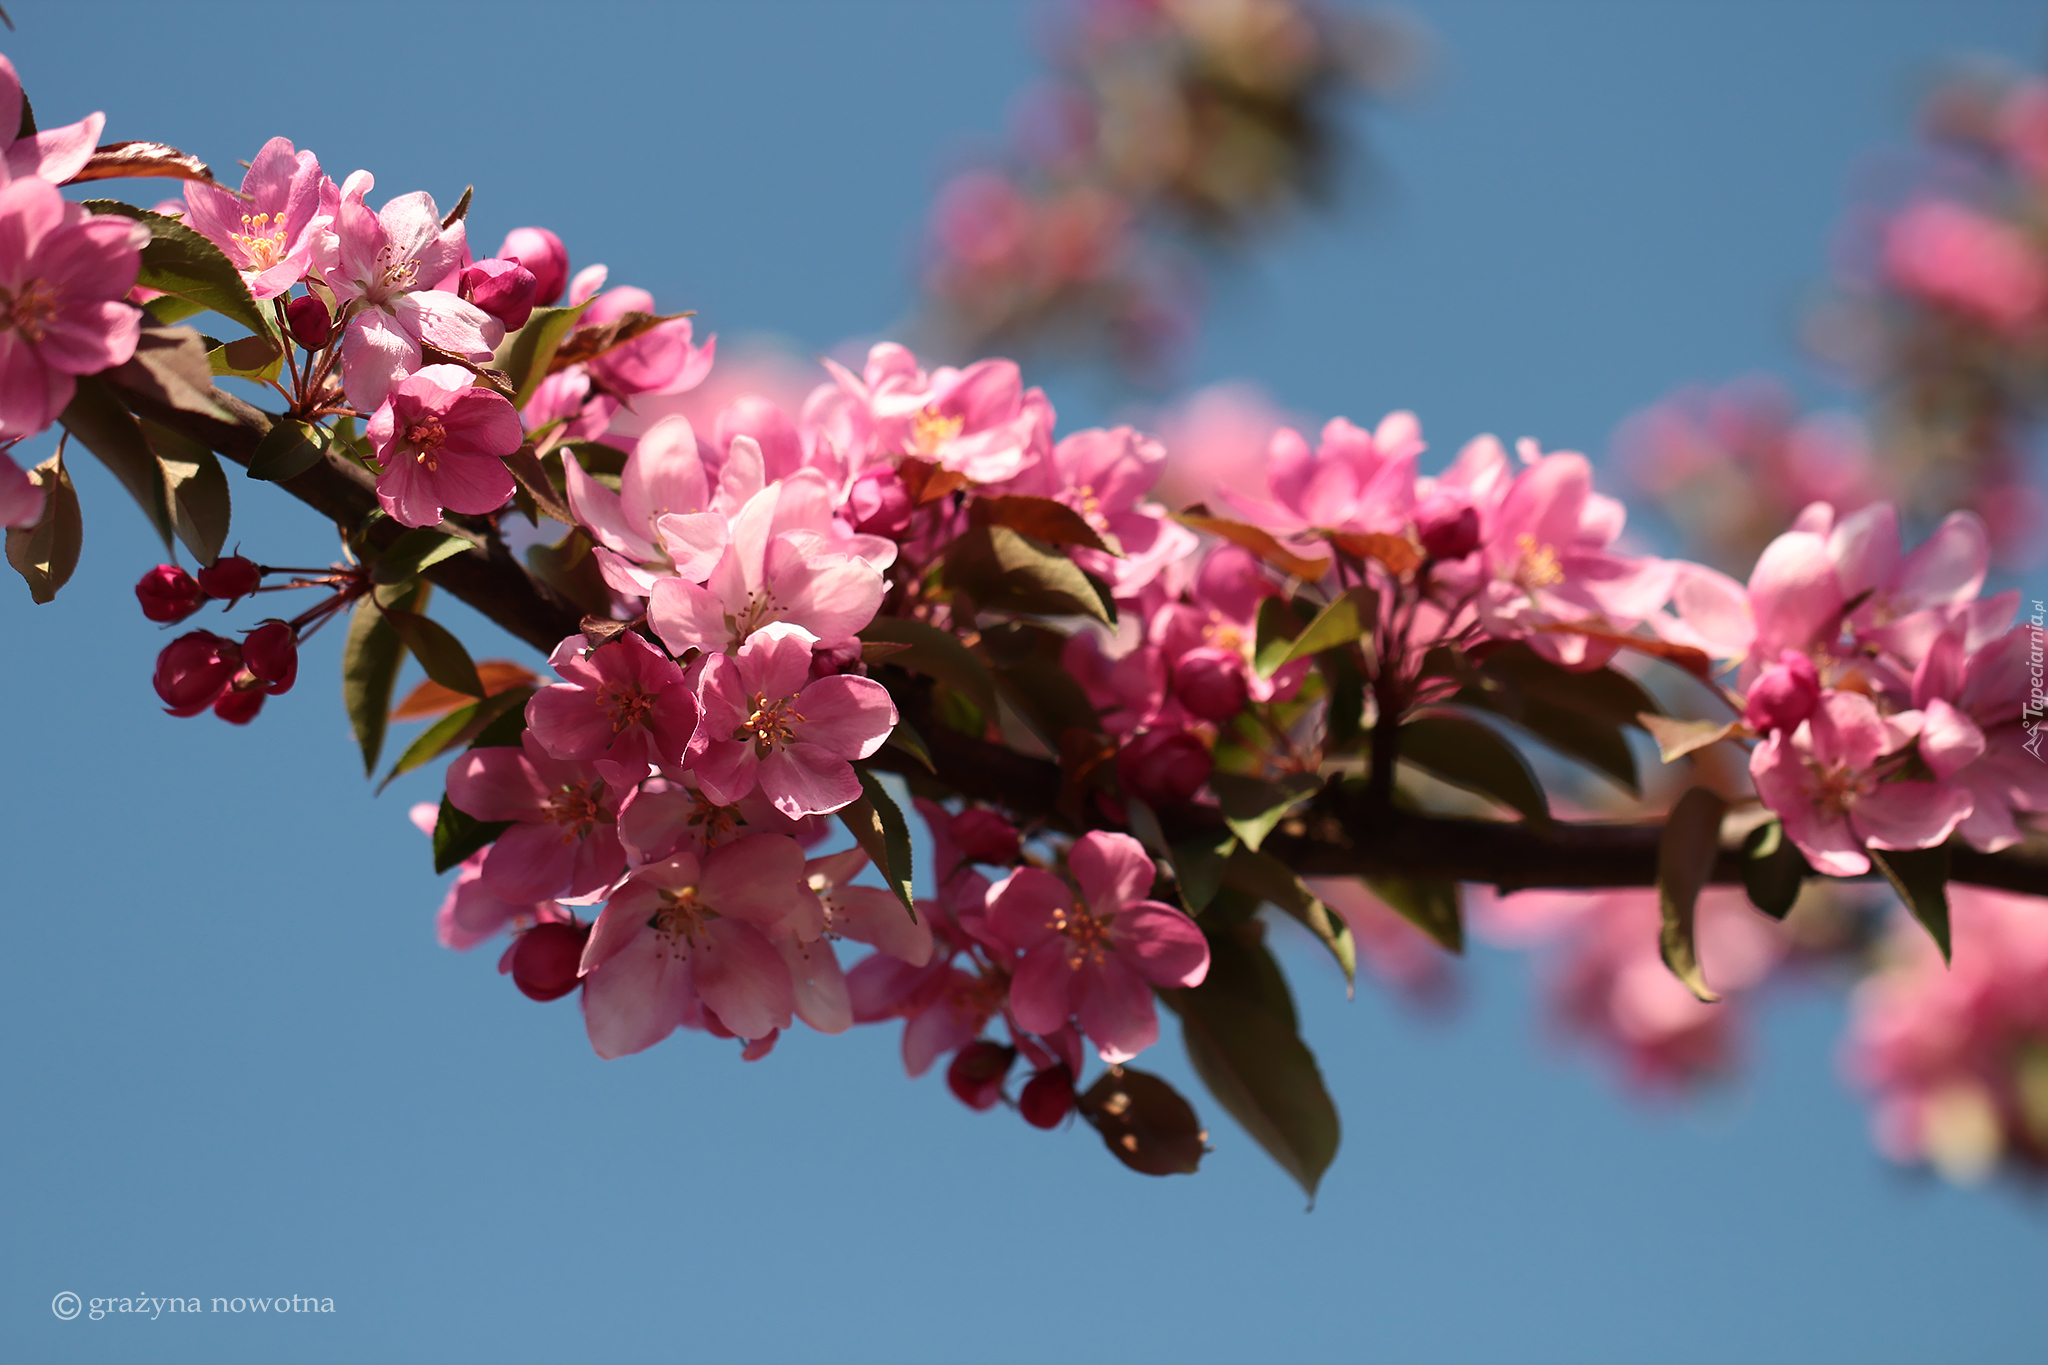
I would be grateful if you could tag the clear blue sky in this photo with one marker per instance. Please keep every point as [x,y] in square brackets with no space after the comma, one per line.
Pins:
[237,1063]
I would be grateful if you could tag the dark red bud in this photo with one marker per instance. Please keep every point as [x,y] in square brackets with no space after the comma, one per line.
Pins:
[311,324]
[545,959]
[544,257]
[167,593]
[1163,767]
[193,670]
[1210,683]
[238,706]
[880,504]
[271,654]
[1048,1097]
[504,289]
[982,836]
[1447,526]
[976,1075]
[230,577]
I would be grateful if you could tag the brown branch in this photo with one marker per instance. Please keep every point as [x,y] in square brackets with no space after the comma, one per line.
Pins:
[487,577]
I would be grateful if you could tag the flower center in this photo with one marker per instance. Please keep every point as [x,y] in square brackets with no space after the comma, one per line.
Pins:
[681,918]
[261,243]
[980,997]
[575,809]
[1087,936]
[761,608]
[931,429]
[628,704]
[28,310]
[1538,567]
[392,274]
[1835,789]
[772,724]
[426,437]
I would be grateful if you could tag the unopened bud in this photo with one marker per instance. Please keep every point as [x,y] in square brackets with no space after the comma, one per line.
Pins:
[239,705]
[193,670]
[504,289]
[1447,525]
[230,577]
[167,594]
[545,959]
[311,324]
[880,504]
[1785,695]
[976,1075]
[982,836]
[271,654]
[544,257]
[1210,683]
[1163,767]
[1048,1097]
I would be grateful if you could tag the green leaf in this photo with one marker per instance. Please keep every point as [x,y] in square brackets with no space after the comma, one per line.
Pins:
[1677,738]
[438,651]
[1773,869]
[197,488]
[1350,617]
[457,834]
[1265,877]
[1239,1028]
[1033,677]
[1686,851]
[1920,876]
[457,727]
[1252,806]
[1431,906]
[1344,682]
[46,554]
[1198,868]
[181,263]
[287,450]
[170,368]
[97,417]
[255,357]
[911,742]
[878,825]
[526,354]
[938,654]
[569,568]
[369,670]
[1582,715]
[1144,1122]
[506,731]
[1278,625]
[414,552]
[1009,571]
[1467,754]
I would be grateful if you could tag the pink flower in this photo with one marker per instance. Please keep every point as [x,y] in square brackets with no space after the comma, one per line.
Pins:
[54,154]
[470,913]
[764,723]
[659,360]
[667,518]
[544,256]
[1826,783]
[1104,475]
[1785,695]
[622,706]
[979,421]
[387,267]
[564,842]
[271,229]
[1355,480]
[694,936]
[867,914]
[442,442]
[1958,258]
[1981,731]
[1095,961]
[64,282]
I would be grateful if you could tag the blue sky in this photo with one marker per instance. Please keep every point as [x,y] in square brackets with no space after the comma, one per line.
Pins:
[237,1063]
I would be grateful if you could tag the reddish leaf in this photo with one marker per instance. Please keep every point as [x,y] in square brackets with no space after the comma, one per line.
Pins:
[432,699]
[123,160]
[1042,518]
[586,344]
[927,483]
[1693,661]
[1398,553]
[1259,543]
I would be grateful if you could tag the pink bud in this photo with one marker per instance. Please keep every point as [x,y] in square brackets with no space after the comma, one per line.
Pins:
[1447,524]
[504,289]
[1163,767]
[782,448]
[230,577]
[544,257]
[1785,695]
[880,504]
[1048,1097]
[982,836]
[271,654]
[239,705]
[976,1075]
[195,669]
[1210,683]
[311,325]
[545,959]
[168,594]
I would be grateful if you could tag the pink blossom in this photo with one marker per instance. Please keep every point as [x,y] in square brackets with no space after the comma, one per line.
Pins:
[1095,960]
[470,914]
[1104,475]
[1981,729]
[1354,480]
[867,914]
[690,940]
[622,706]
[1219,437]
[54,154]
[979,421]
[1826,783]
[659,360]
[442,442]
[544,256]
[765,723]
[564,842]
[272,228]
[667,518]
[64,280]
[1785,695]
[386,268]
[1956,257]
